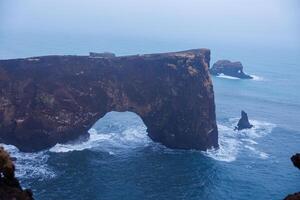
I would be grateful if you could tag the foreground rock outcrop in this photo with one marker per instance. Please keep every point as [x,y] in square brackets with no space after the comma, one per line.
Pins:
[296,161]
[295,196]
[243,122]
[226,67]
[54,99]
[9,186]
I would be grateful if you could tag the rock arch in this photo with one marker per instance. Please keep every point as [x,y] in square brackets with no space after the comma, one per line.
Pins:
[120,130]
[51,99]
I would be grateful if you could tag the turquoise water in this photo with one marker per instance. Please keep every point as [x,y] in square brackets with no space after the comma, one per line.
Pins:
[119,161]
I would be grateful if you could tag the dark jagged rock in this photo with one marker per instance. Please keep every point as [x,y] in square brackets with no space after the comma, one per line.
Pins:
[295,196]
[9,185]
[234,69]
[296,160]
[243,122]
[54,99]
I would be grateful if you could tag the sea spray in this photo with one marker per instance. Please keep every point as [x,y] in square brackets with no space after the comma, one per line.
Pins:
[116,132]
[232,142]
[30,165]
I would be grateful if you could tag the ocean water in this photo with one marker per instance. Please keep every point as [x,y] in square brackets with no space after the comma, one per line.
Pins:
[119,161]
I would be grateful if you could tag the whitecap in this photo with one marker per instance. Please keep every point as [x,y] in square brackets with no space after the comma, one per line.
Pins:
[30,165]
[111,137]
[227,77]
[232,142]
[252,142]
[227,151]
[257,78]
[261,154]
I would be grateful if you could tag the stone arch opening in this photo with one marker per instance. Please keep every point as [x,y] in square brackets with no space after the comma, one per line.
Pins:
[120,130]
[112,133]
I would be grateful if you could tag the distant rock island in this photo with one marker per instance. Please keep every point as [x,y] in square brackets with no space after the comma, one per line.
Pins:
[54,99]
[228,68]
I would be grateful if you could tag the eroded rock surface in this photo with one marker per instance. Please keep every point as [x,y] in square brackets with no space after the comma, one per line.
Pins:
[9,185]
[53,99]
[226,67]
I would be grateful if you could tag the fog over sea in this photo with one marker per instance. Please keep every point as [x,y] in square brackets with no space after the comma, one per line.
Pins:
[119,161]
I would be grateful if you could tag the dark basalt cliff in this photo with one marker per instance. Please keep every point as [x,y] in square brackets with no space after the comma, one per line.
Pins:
[54,99]
[9,186]
[234,69]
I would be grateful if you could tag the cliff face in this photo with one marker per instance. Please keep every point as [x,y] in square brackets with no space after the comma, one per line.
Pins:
[51,99]
[9,186]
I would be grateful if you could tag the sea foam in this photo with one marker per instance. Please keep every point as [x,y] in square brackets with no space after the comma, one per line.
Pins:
[227,77]
[30,165]
[254,77]
[232,142]
[111,135]
[257,78]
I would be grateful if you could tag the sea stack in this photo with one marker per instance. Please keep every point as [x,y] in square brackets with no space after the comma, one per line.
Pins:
[54,99]
[243,122]
[9,185]
[228,68]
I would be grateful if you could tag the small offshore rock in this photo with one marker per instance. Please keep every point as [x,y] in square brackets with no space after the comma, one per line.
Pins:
[243,122]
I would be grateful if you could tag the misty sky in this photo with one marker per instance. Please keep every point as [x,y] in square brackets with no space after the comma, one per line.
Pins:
[162,23]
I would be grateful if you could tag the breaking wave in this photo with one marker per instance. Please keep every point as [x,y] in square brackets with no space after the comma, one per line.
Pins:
[30,165]
[227,77]
[257,78]
[108,142]
[116,134]
[112,134]
[232,142]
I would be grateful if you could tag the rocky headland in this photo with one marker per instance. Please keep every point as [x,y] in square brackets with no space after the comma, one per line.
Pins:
[53,99]
[228,68]
[9,185]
